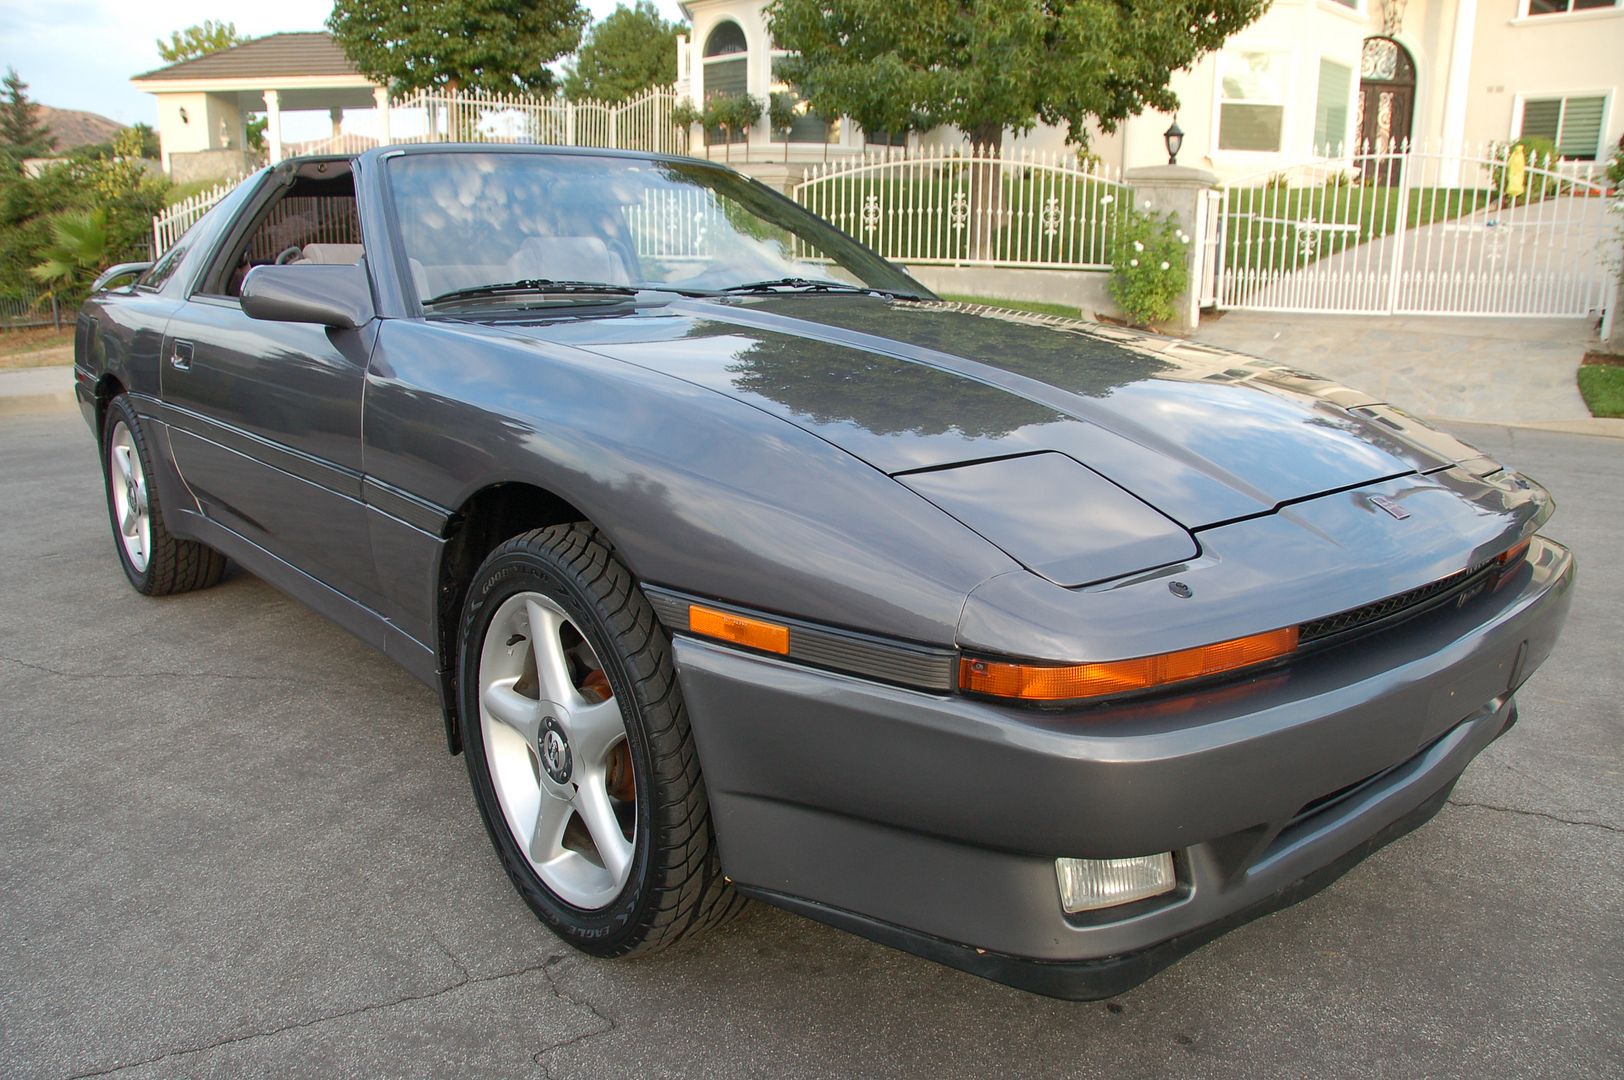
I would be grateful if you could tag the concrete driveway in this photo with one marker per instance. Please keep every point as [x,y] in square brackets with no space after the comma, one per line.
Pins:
[1477,369]
[232,844]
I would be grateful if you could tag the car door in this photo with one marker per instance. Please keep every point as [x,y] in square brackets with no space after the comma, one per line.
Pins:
[266,426]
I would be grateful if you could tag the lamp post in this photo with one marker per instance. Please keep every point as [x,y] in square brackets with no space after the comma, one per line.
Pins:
[1174,138]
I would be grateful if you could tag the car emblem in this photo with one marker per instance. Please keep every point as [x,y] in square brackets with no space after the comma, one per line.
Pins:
[1390,506]
[555,751]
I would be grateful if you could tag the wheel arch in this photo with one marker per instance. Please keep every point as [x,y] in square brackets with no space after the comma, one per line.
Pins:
[490,516]
[107,388]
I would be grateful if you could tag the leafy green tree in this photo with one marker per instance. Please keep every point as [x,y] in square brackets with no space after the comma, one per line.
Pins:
[631,50]
[491,46]
[200,40]
[149,140]
[22,133]
[987,65]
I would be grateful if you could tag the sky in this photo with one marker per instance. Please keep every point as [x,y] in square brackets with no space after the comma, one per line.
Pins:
[81,54]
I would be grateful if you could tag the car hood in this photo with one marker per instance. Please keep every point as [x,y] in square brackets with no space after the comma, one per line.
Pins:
[1203,435]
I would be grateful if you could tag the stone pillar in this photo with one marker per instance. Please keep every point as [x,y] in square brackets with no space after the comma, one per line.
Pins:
[380,100]
[1181,191]
[273,125]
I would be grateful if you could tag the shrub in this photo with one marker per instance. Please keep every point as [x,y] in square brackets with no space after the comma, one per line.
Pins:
[1615,167]
[1149,268]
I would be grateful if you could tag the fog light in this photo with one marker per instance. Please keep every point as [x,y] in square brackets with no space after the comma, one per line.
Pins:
[1090,884]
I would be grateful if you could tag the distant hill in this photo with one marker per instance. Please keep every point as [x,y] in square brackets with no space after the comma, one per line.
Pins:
[74,128]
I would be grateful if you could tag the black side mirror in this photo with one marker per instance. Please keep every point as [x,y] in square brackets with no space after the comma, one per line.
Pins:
[327,295]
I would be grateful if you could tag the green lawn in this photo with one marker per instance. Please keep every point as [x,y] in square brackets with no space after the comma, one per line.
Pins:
[1262,234]
[1603,388]
[1032,307]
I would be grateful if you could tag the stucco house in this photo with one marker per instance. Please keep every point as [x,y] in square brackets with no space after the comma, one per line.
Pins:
[1307,76]
[203,103]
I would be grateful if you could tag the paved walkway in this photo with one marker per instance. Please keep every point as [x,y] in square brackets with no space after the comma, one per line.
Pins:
[1486,370]
[36,389]
[1544,258]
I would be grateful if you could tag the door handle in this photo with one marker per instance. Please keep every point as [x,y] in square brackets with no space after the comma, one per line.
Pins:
[180,355]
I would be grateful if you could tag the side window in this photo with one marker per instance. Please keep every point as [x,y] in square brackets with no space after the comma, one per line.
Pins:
[164,269]
[314,220]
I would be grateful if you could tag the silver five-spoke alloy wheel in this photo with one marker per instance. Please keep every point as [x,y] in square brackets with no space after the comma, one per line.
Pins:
[555,743]
[129,485]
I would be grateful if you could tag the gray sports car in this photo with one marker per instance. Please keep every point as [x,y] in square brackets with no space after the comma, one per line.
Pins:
[744,567]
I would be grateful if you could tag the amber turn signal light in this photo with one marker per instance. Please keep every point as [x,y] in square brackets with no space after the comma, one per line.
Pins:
[739,629]
[1072,682]
[1514,553]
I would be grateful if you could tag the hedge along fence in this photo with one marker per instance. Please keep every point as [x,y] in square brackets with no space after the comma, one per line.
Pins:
[1016,210]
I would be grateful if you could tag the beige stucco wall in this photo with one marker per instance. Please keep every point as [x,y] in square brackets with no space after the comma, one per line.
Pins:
[1512,56]
[212,122]
[1543,56]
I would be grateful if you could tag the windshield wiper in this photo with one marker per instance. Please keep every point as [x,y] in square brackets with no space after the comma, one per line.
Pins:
[529,285]
[814,285]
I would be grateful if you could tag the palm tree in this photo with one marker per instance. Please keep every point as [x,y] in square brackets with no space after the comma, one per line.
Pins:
[78,249]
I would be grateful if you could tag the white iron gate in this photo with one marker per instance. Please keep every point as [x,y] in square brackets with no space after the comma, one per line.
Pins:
[1407,231]
[981,208]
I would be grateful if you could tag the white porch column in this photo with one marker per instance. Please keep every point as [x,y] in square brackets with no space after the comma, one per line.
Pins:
[273,125]
[1457,91]
[380,100]
[336,115]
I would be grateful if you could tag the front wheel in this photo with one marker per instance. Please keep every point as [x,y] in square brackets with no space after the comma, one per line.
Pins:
[155,562]
[579,749]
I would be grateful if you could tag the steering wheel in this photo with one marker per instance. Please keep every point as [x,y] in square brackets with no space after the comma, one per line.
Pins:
[287,255]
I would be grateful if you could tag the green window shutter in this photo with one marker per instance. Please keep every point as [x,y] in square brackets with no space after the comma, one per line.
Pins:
[1540,118]
[1581,128]
[1331,109]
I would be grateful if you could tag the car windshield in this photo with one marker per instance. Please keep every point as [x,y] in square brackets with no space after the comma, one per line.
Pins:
[473,219]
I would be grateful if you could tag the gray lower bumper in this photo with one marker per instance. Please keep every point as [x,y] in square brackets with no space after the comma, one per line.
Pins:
[940,817]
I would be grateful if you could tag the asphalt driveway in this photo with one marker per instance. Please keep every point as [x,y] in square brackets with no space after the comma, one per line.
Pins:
[232,844]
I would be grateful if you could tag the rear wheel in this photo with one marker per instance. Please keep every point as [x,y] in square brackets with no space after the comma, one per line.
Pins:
[579,749]
[155,562]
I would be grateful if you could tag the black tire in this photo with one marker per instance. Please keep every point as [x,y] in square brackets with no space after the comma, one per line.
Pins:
[171,565]
[675,886]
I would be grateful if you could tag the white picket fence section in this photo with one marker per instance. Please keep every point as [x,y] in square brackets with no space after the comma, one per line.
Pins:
[1416,231]
[982,208]
[642,123]
[170,225]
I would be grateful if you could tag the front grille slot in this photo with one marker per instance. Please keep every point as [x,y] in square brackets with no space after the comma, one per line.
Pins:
[1404,605]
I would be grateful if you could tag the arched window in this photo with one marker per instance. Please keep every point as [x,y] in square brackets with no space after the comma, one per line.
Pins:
[727,68]
[727,38]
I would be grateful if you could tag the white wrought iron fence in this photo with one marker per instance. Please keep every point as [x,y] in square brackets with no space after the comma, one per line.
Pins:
[169,226]
[1408,229]
[1017,210]
[642,123]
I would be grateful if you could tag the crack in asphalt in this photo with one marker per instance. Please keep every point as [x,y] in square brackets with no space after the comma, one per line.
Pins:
[284,680]
[1535,813]
[464,981]
[609,1023]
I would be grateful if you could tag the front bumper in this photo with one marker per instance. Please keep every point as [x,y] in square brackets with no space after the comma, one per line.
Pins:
[932,823]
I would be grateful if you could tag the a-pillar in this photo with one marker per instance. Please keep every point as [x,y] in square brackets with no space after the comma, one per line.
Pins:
[1183,192]
[273,125]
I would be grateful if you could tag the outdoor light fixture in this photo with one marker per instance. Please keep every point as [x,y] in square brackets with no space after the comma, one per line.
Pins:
[1174,138]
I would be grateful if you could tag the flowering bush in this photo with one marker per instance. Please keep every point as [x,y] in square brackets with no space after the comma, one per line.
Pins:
[1149,271]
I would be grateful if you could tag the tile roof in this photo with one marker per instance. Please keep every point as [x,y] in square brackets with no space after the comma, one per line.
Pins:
[272,56]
